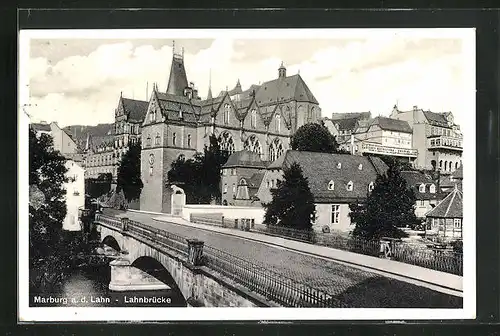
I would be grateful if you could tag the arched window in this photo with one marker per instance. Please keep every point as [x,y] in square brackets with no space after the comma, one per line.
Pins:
[432,189]
[252,144]
[253,118]
[225,188]
[440,164]
[227,110]
[174,139]
[371,186]
[331,185]
[234,188]
[189,141]
[275,149]
[421,188]
[456,165]
[278,123]
[153,115]
[226,142]
[350,186]
[148,141]
[157,139]
[243,182]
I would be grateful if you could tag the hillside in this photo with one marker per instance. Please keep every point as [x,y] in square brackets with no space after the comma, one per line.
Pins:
[79,132]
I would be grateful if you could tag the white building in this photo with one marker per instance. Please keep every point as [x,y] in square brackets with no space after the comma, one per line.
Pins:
[75,195]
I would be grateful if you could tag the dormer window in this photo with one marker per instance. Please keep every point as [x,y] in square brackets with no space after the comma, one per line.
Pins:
[350,186]
[360,167]
[421,188]
[331,185]
[339,165]
[371,186]
[432,189]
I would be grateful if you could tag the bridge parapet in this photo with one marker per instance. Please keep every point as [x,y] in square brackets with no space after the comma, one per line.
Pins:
[245,277]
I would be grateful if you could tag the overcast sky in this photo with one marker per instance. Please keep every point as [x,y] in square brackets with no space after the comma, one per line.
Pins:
[78,81]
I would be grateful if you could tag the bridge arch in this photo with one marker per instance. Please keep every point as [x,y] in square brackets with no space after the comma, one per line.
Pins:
[112,242]
[156,269]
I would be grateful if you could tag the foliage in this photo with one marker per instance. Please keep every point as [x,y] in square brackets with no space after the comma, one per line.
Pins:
[391,161]
[129,173]
[389,207]
[199,176]
[118,200]
[314,137]
[292,204]
[50,249]
[96,187]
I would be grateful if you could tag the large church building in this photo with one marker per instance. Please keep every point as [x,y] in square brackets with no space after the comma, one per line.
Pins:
[178,122]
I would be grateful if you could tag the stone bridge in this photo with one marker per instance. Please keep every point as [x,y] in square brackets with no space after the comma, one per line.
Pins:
[173,261]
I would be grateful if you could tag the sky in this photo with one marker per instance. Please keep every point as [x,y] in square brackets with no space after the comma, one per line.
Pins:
[79,81]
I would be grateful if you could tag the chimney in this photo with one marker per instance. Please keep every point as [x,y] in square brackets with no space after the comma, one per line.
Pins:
[415,108]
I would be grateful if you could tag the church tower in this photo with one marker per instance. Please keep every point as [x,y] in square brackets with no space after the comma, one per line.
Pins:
[178,79]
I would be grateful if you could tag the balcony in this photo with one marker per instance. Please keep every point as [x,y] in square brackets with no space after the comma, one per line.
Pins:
[374,148]
[445,142]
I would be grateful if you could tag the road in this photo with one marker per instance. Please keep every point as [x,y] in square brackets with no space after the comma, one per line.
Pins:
[357,287]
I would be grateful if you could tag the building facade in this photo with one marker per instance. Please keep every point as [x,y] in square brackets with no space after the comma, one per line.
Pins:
[426,192]
[75,195]
[335,180]
[382,136]
[436,138]
[62,141]
[178,122]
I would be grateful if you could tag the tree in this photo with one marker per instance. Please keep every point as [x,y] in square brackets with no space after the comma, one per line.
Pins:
[314,137]
[47,174]
[200,175]
[48,249]
[129,173]
[292,204]
[389,207]
[392,161]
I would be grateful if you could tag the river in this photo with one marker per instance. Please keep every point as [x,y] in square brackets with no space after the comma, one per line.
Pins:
[87,286]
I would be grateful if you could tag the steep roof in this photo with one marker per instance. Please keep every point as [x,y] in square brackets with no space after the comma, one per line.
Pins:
[416,178]
[286,89]
[254,183]
[450,207]
[321,168]
[39,127]
[177,81]
[346,124]
[459,173]
[135,109]
[244,158]
[389,124]
[171,105]
[437,119]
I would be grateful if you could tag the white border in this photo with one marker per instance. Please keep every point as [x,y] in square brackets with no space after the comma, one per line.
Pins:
[27,314]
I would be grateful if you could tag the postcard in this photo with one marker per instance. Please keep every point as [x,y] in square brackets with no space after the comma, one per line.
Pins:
[261,174]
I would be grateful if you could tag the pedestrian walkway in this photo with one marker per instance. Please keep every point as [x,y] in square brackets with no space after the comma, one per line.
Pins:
[395,269]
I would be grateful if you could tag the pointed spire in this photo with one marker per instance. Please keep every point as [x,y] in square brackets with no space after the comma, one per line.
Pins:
[238,83]
[209,95]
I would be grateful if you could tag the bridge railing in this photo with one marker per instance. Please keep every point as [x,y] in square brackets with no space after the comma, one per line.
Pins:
[272,285]
[111,221]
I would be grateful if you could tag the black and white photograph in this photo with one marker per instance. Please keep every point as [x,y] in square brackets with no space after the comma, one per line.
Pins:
[295,174]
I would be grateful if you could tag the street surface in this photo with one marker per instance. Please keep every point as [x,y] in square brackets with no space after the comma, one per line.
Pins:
[358,288]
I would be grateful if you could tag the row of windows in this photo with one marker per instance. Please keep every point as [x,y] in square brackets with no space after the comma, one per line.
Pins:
[253,118]
[446,142]
[349,186]
[104,159]
[432,188]
[441,131]
[174,140]
[123,127]
[445,165]
[437,222]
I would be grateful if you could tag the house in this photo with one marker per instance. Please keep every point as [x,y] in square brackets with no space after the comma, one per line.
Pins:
[342,125]
[335,180]
[445,219]
[382,136]
[62,140]
[241,177]
[426,191]
[75,195]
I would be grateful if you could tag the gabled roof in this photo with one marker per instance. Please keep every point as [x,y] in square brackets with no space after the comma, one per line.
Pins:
[346,124]
[135,109]
[437,119]
[389,124]
[284,89]
[244,158]
[171,105]
[416,178]
[450,207]
[39,127]
[321,168]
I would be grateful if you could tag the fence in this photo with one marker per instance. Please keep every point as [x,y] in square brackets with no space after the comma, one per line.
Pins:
[439,260]
[272,285]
